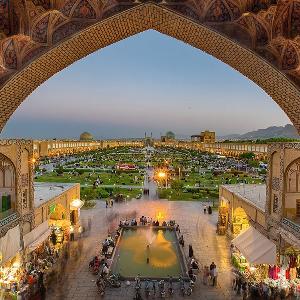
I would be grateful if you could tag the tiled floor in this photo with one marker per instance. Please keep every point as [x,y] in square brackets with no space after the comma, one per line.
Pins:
[198,229]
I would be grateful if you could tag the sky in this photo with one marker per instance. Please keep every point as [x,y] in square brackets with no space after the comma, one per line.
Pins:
[146,83]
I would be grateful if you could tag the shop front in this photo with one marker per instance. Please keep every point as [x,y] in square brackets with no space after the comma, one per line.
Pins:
[60,225]
[256,259]
[11,263]
[223,217]
[75,206]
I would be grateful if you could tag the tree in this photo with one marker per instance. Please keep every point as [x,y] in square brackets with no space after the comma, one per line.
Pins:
[88,194]
[177,185]
[80,171]
[247,155]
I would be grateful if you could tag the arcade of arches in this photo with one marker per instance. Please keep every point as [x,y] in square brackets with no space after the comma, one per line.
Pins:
[259,38]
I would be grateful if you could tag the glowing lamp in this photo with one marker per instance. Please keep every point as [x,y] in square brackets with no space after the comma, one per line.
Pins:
[162,174]
[16,265]
[76,204]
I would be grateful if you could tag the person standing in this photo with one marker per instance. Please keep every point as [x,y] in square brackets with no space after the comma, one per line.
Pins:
[204,208]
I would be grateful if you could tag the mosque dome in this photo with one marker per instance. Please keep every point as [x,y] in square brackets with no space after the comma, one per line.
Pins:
[170,135]
[86,136]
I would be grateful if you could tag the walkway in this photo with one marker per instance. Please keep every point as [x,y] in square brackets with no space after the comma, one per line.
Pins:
[197,228]
[150,184]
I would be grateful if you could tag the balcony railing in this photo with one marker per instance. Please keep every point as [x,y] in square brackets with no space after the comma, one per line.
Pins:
[9,219]
[292,225]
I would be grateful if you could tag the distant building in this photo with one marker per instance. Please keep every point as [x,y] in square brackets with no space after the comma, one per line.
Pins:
[125,167]
[204,137]
[169,136]
[86,136]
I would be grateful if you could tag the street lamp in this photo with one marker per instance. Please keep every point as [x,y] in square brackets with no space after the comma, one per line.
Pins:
[163,175]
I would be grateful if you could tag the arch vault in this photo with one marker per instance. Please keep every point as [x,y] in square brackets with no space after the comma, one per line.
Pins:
[260,39]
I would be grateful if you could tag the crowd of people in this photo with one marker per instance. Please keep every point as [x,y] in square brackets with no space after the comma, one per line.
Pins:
[144,220]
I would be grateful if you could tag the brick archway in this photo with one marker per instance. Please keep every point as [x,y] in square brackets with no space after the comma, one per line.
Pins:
[139,18]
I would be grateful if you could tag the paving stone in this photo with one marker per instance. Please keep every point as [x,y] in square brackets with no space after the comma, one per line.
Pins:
[198,229]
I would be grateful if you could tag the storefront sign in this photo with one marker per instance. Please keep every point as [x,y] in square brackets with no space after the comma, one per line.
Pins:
[52,208]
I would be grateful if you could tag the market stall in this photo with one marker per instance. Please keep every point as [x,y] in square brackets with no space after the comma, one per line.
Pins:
[11,274]
[256,259]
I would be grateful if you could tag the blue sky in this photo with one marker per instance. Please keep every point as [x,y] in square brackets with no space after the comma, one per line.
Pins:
[149,82]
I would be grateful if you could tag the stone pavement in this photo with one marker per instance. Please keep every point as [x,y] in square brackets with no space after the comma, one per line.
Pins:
[198,229]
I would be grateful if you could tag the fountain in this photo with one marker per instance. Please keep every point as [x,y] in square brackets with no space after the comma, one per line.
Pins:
[153,252]
[150,236]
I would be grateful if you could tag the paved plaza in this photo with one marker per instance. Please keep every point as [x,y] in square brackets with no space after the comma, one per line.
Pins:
[198,229]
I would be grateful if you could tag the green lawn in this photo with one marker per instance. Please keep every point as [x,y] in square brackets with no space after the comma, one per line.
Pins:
[184,195]
[89,178]
[210,180]
[90,193]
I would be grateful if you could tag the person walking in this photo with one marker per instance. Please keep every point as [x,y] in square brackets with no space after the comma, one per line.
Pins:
[211,271]
[215,276]
[89,224]
[191,251]
[204,208]
[239,285]
[205,275]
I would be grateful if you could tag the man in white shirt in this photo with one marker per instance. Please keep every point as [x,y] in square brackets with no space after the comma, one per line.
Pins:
[214,276]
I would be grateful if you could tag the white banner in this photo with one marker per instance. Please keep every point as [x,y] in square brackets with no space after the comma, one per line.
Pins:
[10,244]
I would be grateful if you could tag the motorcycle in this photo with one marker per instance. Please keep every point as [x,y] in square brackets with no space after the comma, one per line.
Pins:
[154,287]
[170,286]
[138,286]
[182,286]
[190,288]
[100,286]
[147,288]
[161,286]
[112,281]
[94,266]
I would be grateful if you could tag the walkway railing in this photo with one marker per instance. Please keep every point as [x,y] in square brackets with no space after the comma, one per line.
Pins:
[292,225]
[9,219]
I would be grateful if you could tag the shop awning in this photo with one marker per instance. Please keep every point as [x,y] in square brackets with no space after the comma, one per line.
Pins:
[255,247]
[35,237]
[39,241]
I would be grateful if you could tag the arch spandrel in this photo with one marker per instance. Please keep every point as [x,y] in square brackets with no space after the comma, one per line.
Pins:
[63,31]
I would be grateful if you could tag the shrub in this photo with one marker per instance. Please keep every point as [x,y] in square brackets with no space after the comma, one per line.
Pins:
[102,193]
[60,170]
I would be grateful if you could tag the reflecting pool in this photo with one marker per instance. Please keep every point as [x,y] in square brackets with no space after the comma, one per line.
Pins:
[148,251]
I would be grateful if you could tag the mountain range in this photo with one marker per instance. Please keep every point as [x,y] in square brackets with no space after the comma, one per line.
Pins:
[287,131]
